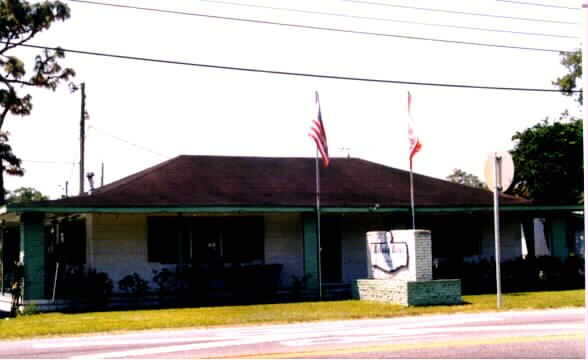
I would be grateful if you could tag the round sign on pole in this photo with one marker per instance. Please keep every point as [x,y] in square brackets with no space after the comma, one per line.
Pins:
[505,171]
[499,172]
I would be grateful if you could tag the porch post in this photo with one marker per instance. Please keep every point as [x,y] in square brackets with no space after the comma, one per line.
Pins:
[311,261]
[559,237]
[33,255]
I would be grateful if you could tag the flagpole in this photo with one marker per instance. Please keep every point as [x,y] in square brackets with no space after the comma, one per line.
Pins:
[318,134]
[318,222]
[412,197]
[414,147]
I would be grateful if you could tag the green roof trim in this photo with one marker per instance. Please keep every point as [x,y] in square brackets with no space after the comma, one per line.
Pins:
[202,209]
[145,210]
[517,208]
[277,209]
[330,210]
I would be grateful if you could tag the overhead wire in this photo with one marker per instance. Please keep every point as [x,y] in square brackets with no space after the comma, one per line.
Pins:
[399,21]
[48,162]
[540,4]
[298,74]
[456,12]
[141,147]
[320,28]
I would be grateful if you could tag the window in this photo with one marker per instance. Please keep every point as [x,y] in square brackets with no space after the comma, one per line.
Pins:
[163,239]
[67,241]
[177,240]
[454,237]
[242,238]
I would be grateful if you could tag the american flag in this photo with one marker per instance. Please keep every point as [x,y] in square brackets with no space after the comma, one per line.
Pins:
[318,134]
[414,144]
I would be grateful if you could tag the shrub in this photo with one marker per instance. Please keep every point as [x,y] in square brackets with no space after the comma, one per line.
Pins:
[520,274]
[191,282]
[97,287]
[85,285]
[299,285]
[28,310]
[134,284]
[165,280]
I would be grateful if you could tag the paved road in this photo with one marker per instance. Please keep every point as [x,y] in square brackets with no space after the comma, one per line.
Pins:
[534,334]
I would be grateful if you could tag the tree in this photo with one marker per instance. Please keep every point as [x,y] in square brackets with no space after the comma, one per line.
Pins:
[548,157]
[548,162]
[19,23]
[25,194]
[461,177]
[568,82]
[9,163]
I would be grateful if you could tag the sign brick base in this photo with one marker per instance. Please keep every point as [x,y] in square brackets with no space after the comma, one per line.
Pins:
[409,293]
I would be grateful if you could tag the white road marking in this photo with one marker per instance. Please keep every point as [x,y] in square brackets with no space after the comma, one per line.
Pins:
[240,332]
[179,348]
[90,343]
[352,339]
[216,344]
[366,336]
[510,328]
[341,329]
[338,332]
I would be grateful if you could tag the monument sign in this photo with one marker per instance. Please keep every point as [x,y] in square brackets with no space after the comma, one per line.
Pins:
[400,271]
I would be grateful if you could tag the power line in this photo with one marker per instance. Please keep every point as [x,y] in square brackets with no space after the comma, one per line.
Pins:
[48,162]
[456,12]
[538,4]
[127,142]
[310,27]
[312,12]
[287,73]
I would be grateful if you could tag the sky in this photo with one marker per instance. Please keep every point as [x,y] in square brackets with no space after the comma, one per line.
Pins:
[143,113]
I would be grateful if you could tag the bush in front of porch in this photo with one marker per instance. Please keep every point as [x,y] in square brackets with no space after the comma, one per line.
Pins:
[520,274]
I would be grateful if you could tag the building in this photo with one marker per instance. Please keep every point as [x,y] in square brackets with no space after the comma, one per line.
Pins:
[253,215]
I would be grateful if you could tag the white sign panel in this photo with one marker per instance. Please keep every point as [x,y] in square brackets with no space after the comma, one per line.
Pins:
[384,255]
[504,165]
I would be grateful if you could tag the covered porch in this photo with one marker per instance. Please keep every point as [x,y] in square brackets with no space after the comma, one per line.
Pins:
[220,255]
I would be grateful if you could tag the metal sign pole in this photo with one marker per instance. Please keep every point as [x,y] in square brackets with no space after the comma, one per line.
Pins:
[497,229]
[499,172]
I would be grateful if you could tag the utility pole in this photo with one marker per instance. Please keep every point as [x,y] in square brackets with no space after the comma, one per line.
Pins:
[102,175]
[82,137]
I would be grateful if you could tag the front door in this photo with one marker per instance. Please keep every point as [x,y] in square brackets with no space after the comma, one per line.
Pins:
[331,249]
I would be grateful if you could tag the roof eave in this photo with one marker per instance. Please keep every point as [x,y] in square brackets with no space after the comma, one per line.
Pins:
[285,209]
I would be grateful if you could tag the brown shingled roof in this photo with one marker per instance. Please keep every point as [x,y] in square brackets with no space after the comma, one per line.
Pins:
[193,181]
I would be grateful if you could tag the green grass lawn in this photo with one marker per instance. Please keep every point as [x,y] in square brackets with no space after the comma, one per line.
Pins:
[53,324]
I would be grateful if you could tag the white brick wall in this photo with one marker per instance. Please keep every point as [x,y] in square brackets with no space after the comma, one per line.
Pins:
[118,243]
[284,245]
[510,238]
[353,247]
